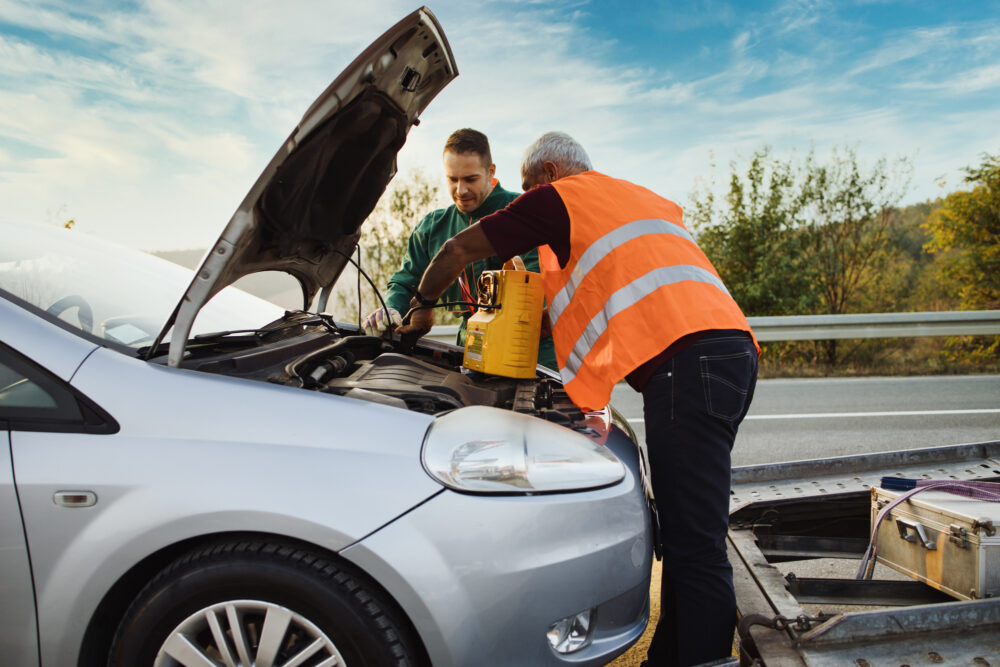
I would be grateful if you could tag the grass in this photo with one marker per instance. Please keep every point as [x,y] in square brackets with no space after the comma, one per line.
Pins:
[882,357]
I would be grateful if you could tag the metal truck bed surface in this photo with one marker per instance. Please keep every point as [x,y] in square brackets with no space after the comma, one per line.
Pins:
[809,515]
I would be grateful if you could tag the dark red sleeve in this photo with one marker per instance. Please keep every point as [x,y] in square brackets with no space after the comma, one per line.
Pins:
[536,218]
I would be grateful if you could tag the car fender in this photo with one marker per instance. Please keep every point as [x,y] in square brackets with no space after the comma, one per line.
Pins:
[196,455]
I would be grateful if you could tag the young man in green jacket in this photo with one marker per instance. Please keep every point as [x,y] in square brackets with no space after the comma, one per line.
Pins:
[469,170]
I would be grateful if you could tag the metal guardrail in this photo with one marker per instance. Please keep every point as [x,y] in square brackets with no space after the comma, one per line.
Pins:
[863,325]
[877,325]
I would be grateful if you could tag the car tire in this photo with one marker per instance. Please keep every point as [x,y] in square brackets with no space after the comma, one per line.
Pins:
[261,603]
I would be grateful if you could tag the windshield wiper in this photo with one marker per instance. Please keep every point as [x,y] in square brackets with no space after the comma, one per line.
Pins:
[203,340]
[215,335]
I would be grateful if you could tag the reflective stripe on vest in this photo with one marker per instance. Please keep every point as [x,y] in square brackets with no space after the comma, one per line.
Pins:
[597,251]
[628,296]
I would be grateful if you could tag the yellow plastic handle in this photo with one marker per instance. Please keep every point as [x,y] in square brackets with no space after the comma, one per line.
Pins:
[515,263]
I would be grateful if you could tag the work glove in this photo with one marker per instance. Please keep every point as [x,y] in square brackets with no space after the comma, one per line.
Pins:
[377,322]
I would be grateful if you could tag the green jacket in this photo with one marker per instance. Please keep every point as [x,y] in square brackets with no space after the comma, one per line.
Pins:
[428,237]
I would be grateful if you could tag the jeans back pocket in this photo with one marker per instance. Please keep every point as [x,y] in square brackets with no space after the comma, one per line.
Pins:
[725,379]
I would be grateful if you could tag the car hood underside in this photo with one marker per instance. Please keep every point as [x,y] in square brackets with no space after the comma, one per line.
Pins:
[303,215]
[427,378]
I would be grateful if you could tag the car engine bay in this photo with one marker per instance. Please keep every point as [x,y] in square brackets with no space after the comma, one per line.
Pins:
[425,377]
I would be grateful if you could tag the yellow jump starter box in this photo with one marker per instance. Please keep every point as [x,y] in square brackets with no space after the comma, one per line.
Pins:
[502,337]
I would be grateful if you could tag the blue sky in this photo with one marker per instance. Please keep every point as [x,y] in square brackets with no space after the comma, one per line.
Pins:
[147,121]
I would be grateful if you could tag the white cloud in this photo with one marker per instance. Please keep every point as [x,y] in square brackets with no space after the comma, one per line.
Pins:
[150,124]
[906,46]
[50,18]
[740,42]
[961,83]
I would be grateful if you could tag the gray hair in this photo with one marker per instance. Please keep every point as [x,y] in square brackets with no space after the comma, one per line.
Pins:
[558,148]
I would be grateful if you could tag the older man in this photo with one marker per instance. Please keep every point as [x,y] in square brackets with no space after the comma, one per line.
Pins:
[469,172]
[633,297]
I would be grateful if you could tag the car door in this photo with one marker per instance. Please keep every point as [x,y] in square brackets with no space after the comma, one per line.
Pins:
[19,394]
[37,403]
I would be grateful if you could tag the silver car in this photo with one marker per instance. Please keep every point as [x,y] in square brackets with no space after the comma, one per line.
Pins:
[222,482]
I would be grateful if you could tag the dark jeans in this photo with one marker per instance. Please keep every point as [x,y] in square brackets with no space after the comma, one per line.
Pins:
[692,407]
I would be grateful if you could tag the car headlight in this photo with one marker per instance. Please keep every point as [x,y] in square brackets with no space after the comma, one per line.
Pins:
[480,449]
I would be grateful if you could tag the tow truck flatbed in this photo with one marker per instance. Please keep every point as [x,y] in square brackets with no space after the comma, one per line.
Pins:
[788,514]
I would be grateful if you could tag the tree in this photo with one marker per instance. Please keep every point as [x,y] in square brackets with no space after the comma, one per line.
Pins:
[384,239]
[965,239]
[850,226]
[965,233]
[753,240]
[804,238]
[850,218]
[918,284]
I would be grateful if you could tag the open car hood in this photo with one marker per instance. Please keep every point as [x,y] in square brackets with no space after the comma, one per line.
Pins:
[304,213]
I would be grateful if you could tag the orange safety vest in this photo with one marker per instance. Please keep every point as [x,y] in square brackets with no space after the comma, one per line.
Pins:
[636,281]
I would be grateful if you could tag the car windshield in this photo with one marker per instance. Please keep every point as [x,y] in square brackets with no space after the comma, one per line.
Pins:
[122,295]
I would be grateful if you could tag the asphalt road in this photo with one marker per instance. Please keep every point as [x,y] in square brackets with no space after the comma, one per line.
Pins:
[794,419]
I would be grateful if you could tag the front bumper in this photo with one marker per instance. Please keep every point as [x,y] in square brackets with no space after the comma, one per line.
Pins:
[483,577]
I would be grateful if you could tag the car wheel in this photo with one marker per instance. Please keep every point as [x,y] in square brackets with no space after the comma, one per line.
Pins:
[261,604]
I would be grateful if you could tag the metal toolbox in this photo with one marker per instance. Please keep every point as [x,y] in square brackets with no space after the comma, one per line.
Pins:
[947,541]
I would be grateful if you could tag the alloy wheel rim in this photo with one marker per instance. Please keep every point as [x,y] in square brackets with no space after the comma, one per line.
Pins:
[247,633]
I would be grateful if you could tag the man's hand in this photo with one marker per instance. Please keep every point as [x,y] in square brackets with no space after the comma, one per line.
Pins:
[378,321]
[463,248]
[420,322]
